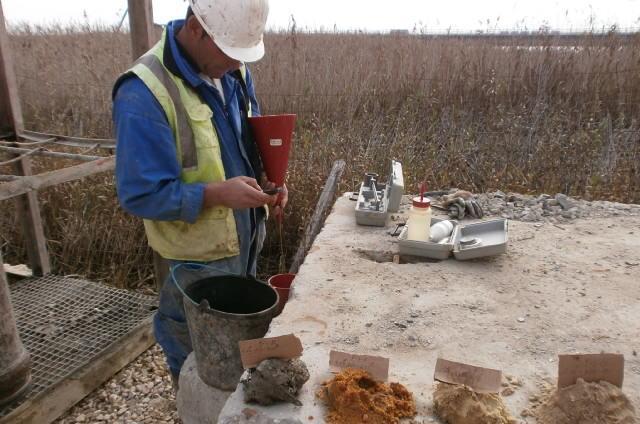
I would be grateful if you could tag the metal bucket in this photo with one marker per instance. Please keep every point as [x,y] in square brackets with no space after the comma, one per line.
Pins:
[220,312]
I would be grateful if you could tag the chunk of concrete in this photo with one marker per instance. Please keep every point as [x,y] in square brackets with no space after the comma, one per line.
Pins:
[197,402]
[275,380]
[237,411]
[565,201]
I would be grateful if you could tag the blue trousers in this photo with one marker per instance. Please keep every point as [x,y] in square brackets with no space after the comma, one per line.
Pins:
[169,323]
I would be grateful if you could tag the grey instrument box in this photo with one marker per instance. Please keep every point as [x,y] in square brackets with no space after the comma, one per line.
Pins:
[376,200]
[470,241]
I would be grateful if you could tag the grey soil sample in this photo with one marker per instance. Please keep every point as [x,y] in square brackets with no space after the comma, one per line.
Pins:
[275,380]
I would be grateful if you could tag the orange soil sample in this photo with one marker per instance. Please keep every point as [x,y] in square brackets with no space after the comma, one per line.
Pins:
[354,397]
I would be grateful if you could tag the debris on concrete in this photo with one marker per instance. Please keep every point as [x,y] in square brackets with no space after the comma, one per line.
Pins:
[458,404]
[564,201]
[275,380]
[546,208]
[512,381]
[352,396]
[510,385]
[583,402]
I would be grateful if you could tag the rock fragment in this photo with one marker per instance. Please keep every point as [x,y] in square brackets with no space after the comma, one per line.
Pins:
[275,380]
[564,201]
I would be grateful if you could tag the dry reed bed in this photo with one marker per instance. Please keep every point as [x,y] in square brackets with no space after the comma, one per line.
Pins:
[474,113]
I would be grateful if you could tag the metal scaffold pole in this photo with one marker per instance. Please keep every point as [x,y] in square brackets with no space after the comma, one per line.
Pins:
[15,363]
[141,23]
[26,206]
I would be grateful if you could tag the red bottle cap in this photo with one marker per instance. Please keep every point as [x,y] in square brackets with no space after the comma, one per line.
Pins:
[423,203]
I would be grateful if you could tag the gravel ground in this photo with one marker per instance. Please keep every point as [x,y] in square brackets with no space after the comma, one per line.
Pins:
[140,393]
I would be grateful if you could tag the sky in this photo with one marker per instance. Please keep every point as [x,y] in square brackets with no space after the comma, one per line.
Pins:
[367,15]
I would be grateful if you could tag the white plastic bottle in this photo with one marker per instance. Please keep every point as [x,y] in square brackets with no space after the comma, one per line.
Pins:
[419,223]
[441,230]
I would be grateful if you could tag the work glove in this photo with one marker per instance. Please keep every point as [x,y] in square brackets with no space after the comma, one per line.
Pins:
[461,204]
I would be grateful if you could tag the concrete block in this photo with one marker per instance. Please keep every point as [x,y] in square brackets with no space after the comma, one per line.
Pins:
[251,416]
[197,402]
[415,313]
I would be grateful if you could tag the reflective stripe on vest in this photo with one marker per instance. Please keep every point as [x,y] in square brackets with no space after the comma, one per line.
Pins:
[185,133]
[243,73]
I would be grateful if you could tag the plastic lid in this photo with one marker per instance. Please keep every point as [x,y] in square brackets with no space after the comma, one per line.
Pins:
[423,203]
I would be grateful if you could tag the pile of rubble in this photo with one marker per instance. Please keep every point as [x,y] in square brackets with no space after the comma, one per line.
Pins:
[545,208]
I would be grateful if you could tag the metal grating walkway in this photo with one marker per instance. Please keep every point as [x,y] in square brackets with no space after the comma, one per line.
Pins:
[65,323]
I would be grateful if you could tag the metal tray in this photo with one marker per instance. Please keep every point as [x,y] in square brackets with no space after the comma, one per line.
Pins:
[492,236]
[366,212]
[427,249]
[373,204]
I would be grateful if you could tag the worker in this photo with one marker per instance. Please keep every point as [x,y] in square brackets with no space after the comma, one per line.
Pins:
[185,160]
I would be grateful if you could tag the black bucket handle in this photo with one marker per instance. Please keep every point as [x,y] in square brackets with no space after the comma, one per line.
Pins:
[193,264]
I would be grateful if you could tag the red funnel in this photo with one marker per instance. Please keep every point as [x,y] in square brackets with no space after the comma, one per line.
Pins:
[273,136]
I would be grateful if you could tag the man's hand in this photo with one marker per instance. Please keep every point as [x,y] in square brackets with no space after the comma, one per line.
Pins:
[236,193]
[283,198]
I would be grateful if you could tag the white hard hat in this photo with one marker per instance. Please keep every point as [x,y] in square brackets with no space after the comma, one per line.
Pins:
[236,26]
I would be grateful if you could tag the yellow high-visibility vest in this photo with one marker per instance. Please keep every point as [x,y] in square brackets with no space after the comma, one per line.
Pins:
[213,236]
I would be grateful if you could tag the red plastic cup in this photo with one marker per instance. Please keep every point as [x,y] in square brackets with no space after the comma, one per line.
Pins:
[283,284]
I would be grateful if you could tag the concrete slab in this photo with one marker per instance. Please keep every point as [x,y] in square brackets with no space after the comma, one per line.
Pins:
[558,290]
[198,403]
